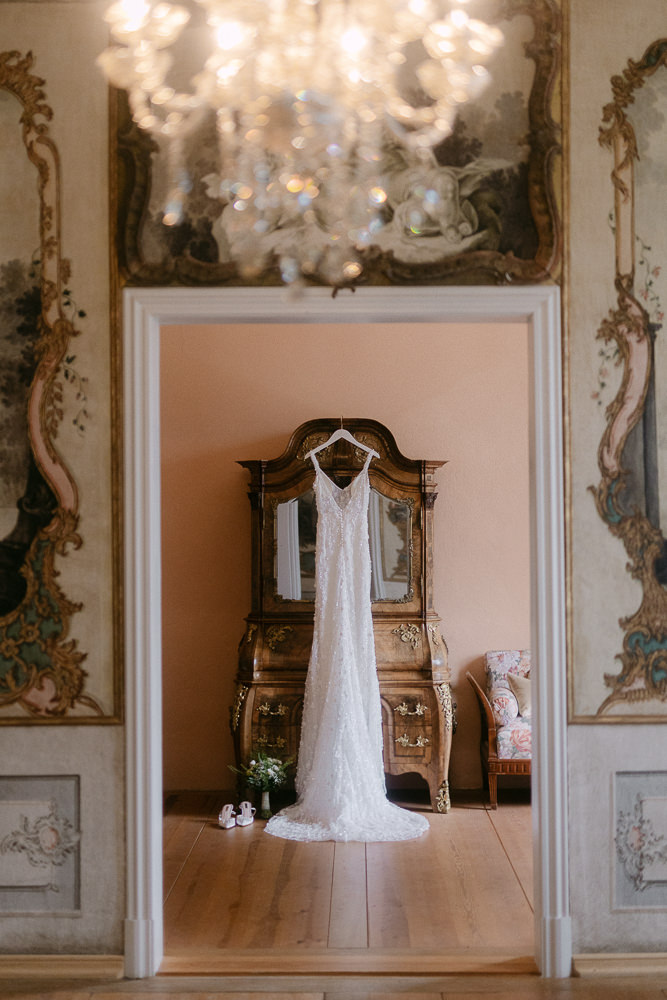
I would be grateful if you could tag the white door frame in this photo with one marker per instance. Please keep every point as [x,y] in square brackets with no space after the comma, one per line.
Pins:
[145,310]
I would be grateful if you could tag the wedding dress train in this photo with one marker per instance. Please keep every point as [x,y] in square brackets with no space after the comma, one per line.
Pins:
[340,776]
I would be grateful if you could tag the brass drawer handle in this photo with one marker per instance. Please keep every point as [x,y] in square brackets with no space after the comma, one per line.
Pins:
[278,744]
[265,709]
[404,740]
[403,709]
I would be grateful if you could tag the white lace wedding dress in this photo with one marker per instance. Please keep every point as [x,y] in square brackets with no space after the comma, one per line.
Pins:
[340,777]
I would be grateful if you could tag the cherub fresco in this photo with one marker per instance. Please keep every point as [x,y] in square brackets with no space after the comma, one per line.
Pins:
[433,215]
[429,214]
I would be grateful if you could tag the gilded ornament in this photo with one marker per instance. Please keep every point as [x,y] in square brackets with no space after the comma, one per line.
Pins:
[315,440]
[311,442]
[276,634]
[408,633]
[448,704]
[443,802]
[241,692]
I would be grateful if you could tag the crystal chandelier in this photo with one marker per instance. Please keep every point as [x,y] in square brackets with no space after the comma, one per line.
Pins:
[308,97]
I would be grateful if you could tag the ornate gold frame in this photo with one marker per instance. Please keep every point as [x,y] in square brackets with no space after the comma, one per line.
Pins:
[643,674]
[43,665]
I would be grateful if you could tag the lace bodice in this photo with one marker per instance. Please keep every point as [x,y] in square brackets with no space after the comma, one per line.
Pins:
[340,776]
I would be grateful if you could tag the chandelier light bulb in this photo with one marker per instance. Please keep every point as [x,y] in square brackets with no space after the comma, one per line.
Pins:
[127,16]
[308,97]
[353,41]
[229,35]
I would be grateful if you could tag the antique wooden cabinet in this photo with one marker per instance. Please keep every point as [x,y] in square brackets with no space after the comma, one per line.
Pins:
[411,653]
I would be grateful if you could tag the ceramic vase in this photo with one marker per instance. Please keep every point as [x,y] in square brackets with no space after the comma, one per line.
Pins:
[265,807]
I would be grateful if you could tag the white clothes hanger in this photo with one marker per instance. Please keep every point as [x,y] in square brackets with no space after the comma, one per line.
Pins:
[336,436]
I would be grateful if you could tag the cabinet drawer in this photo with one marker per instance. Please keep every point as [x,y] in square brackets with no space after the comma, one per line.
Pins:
[276,721]
[277,705]
[274,742]
[407,724]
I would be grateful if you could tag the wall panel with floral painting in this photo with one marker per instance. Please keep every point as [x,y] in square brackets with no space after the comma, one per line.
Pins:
[40,856]
[631,496]
[498,177]
[43,675]
[640,838]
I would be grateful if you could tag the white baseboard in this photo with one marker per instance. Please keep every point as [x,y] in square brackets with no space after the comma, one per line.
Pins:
[61,966]
[621,964]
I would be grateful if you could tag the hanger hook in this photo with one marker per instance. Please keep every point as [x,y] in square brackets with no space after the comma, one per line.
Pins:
[341,423]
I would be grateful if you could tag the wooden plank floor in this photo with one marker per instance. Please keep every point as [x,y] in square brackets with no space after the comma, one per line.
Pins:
[377,903]
[458,899]
[338,987]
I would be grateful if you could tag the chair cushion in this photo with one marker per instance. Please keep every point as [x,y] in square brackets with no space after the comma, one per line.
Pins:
[507,673]
[504,705]
[520,687]
[515,740]
[500,663]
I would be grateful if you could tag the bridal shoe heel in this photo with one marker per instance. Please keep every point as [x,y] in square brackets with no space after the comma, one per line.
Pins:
[227,817]
[246,814]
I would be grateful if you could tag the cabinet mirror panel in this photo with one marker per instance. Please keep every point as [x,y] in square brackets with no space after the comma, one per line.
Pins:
[389,533]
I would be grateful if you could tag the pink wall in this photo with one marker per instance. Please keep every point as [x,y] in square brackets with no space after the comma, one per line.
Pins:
[458,393]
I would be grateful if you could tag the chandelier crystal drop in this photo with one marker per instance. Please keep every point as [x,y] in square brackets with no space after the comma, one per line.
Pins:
[310,97]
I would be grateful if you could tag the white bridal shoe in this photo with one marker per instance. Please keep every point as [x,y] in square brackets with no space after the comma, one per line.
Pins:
[246,814]
[227,817]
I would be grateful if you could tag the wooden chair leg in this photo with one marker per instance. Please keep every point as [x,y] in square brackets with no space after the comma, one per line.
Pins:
[493,790]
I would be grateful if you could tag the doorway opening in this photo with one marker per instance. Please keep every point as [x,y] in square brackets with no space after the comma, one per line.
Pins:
[146,312]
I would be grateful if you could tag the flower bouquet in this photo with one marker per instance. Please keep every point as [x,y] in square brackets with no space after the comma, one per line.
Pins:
[264,773]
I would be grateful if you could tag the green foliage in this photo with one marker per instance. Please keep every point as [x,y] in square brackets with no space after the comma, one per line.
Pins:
[263,772]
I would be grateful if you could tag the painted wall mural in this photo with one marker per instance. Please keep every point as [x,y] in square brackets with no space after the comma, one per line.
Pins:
[496,174]
[39,844]
[640,836]
[631,496]
[42,677]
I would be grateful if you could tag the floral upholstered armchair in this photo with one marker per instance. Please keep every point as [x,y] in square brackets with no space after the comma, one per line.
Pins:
[505,707]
